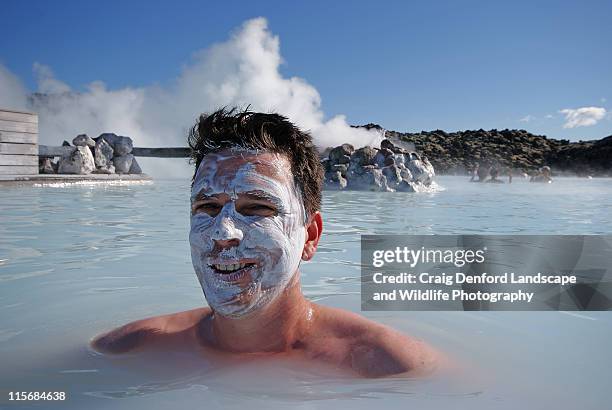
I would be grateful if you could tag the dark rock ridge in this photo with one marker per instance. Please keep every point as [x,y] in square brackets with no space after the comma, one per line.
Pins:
[459,152]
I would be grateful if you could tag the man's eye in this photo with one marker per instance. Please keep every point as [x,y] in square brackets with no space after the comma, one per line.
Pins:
[258,209]
[207,208]
[261,207]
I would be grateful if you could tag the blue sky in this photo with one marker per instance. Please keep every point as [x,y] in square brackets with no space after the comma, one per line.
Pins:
[409,66]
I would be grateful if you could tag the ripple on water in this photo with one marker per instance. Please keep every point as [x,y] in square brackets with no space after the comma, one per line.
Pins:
[7,334]
[6,277]
[108,290]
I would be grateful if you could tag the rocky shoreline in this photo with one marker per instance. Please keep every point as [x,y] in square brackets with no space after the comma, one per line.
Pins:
[458,153]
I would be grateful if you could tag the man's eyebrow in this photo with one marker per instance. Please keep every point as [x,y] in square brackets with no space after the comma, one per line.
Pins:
[200,196]
[254,195]
[257,194]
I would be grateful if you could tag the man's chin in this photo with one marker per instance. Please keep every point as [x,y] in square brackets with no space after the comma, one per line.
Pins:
[245,304]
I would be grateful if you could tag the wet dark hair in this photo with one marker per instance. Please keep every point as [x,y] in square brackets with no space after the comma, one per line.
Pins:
[227,128]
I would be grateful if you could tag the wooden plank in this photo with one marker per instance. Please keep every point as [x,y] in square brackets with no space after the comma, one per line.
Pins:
[18,116]
[18,149]
[18,126]
[18,159]
[18,170]
[170,152]
[18,137]
[49,151]
[18,111]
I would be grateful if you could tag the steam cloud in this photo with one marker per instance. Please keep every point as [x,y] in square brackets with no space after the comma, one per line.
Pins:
[12,93]
[240,71]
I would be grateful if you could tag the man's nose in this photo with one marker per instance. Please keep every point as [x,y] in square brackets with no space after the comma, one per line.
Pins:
[225,234]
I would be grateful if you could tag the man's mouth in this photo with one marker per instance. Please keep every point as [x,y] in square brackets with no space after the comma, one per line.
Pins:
[233,272]
[230,267]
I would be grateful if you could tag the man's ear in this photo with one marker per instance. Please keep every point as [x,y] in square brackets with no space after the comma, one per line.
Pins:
[314,228]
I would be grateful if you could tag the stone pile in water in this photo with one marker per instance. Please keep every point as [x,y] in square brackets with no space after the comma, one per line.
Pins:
[390,168]
[107,154]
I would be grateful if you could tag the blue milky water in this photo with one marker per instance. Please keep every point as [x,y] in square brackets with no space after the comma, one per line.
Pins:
[79,260]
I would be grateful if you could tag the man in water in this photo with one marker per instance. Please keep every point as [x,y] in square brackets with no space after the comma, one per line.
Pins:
[542,176]
[494,180]
[481,172]
[255,215]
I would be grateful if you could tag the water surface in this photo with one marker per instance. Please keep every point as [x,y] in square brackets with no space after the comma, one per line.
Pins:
[79,260]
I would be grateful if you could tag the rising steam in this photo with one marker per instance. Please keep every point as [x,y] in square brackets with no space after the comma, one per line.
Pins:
[240,71]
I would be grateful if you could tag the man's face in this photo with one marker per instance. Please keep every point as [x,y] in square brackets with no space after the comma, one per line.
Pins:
[247,229]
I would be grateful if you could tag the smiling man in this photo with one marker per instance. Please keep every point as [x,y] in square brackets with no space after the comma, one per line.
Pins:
[255,215]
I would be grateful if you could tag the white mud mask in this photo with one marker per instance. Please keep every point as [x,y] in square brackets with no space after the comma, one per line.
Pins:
[247,229]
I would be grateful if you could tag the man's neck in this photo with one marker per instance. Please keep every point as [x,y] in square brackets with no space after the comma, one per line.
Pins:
[274,328]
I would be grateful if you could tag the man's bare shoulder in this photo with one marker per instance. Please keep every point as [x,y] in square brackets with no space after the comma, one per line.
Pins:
[154,330]
[369,348]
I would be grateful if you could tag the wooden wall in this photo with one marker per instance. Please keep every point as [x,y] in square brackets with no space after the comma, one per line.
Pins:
[18,143]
